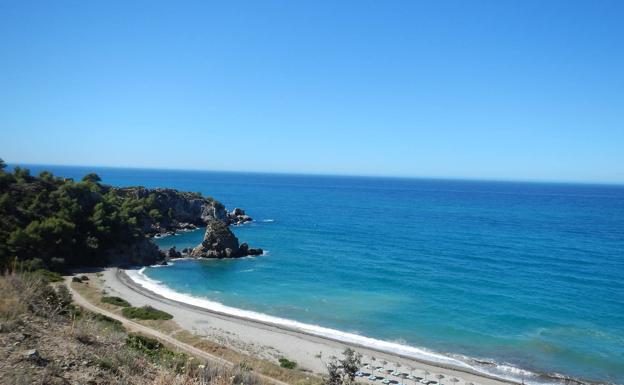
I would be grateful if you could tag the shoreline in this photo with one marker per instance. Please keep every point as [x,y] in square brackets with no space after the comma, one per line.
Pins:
[284,338]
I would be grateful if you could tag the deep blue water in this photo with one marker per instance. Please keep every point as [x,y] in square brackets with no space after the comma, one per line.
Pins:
[522,273]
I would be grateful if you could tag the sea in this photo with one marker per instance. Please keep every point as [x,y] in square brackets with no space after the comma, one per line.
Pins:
[519,280]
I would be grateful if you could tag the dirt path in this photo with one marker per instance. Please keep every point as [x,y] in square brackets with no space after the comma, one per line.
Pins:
[136,327]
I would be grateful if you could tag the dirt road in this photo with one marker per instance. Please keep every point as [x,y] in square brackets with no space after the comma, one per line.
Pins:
[136,327]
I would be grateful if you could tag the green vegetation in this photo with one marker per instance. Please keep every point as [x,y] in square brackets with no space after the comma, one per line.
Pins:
[145,313]
[55,223]
[342,372]
[48,276]
[108,322]
[82,278]
[286,363]
[115,301]
[156,351]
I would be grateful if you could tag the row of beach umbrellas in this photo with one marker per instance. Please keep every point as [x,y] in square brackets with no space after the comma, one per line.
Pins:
[425,373]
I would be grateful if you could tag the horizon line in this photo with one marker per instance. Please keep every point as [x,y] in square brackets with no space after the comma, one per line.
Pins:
[321,174]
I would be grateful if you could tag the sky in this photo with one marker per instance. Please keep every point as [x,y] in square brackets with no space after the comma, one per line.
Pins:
[501,89]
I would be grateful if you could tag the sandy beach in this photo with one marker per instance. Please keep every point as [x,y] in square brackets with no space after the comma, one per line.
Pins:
[268,341]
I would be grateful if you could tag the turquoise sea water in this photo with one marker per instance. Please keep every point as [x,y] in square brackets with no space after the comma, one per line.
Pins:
[522,274]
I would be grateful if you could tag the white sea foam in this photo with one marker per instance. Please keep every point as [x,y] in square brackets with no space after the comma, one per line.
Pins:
[502,371]
[268,220]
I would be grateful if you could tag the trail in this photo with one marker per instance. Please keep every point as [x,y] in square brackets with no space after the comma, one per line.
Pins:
[136,327]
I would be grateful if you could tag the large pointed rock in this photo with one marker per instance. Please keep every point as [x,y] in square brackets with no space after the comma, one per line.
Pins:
[219,242]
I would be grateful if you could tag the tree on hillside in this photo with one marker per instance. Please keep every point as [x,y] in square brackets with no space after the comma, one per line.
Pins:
[334,375]
[351,363]
[92,177]
[342,372]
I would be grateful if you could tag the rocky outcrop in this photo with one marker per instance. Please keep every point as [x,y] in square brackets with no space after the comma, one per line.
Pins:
[220,242]
[246,250]
[173,253]
[238,217]
[170,210]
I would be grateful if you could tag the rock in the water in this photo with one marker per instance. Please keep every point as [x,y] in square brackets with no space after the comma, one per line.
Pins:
[246,250]
[257,251]
[220,242]
[173,253]
[238,217]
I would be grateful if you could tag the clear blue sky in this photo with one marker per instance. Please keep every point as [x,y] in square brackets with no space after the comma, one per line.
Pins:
[529,90]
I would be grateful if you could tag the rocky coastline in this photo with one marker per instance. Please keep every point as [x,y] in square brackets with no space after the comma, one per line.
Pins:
[183,211]
[175,211]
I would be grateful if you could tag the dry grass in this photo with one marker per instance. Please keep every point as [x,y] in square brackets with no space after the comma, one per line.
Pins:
[92,293]
[79,347]
[22,293]
[11,305]
[291,376]
[208,375]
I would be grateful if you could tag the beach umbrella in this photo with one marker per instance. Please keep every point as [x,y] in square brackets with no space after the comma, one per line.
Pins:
[384,363]
[455,380]
[439,377]
[426,373]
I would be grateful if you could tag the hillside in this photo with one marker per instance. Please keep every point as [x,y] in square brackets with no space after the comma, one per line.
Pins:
[58,223]
[46,340]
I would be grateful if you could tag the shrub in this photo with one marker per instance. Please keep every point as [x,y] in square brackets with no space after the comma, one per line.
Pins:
[286,363]
[351,363]
[104,363]
[108,322]
[115,301]
[157,351]
[145,313]
[76,279]
[23,293]
[49,276]
[144,344]
[84,278]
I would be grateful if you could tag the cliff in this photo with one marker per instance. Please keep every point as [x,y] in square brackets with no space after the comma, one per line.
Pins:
[172,210]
